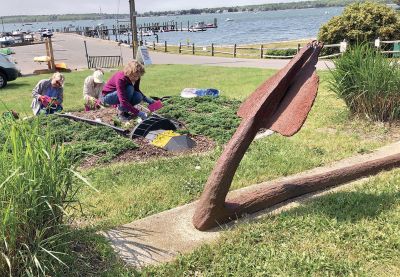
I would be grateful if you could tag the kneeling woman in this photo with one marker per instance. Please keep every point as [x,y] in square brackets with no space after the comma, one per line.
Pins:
[123,90]
[48,95]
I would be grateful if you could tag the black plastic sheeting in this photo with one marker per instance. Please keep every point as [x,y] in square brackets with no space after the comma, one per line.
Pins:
[152,123]
[180,143]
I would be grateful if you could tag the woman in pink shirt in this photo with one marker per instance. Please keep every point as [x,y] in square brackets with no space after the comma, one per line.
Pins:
[123,90]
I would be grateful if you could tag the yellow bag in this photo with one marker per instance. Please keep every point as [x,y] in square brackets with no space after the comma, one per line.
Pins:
[162,139]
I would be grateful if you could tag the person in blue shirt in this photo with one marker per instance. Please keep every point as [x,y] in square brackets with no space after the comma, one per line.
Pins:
[48,95]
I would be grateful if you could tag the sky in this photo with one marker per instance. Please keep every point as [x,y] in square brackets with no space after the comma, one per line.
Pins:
[36,7]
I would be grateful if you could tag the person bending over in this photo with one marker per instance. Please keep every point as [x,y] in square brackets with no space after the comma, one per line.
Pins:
[48,95]
[92,88]
[123,90]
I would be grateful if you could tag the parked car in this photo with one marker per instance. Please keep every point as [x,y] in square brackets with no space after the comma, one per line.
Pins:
[46,33]
[6,41]
[8,70]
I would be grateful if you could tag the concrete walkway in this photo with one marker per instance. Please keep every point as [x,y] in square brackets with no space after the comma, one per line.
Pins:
[69,48]
[161,237]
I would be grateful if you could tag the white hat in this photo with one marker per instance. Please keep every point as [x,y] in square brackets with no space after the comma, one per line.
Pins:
[98,77]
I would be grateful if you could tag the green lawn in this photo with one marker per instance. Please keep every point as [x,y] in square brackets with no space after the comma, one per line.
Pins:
[160,80]
[327,136]
[352,232]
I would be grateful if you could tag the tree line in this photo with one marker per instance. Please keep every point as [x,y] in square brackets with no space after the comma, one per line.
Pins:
[264,7]
[249,8]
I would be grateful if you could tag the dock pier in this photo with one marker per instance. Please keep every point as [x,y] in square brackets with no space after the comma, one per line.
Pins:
[146,29]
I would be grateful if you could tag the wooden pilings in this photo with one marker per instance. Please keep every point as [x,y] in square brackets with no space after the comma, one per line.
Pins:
[50,53]
[145,29]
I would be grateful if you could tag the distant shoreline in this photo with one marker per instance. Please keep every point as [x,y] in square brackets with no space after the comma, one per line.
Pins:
[247,8]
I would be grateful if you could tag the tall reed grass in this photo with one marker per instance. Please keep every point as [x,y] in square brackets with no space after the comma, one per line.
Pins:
[368,82]
[36,186]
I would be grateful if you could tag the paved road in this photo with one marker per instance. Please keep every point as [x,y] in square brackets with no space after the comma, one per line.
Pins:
[69,48]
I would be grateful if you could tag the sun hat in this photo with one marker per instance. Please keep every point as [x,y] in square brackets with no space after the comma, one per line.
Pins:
[98,77]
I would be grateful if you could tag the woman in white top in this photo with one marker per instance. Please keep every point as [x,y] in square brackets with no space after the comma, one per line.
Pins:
[92,88]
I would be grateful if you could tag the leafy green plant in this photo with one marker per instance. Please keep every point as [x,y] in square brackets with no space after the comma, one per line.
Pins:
[36,187]
[208,116]
[368,82]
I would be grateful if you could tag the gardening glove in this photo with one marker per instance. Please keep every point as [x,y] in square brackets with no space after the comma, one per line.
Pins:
[155,106]
[142,115]
[45,100]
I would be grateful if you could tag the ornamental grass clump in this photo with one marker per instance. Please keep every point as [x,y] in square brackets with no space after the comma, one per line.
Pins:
[35,189]
[368,82]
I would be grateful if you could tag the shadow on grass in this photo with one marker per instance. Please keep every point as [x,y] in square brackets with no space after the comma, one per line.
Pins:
[12,85]
[351,206]
[89,254]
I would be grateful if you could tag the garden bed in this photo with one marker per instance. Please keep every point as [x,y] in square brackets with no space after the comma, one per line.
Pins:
[146,151]
[106,115]
[208,121]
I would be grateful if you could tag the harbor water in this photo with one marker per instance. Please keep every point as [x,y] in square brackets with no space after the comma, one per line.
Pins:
[239,28]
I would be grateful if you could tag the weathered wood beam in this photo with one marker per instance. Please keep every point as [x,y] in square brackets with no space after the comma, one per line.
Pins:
[272,194]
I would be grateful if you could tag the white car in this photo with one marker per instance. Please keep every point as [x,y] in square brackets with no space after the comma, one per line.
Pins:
[46,33]
[8,70]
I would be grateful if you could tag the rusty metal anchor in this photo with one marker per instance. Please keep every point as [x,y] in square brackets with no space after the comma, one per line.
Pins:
[281,104]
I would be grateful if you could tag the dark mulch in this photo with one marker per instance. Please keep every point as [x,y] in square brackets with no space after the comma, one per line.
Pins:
[147,152]
[106,115]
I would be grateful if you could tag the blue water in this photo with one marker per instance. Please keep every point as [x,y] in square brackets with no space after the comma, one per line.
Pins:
[246,27]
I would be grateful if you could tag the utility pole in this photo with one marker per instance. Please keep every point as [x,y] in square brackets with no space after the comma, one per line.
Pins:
[133,27]
[2,23]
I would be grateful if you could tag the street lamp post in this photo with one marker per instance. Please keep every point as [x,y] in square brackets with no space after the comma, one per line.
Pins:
[133,27]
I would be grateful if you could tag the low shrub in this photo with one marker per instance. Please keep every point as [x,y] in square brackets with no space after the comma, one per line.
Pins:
[368,82]
[281,52]
[84,140]
[36,187]
[208,116]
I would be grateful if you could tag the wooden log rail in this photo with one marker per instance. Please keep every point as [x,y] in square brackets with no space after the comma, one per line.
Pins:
[228,50]
[248,51]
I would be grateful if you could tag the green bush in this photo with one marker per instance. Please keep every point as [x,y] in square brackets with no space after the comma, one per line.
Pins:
[281,52]
[36,186]
[368,82]
[362,22]
[208,116]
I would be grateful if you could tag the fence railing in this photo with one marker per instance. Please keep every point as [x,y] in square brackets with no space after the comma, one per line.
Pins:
[260,51]
[104,61]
